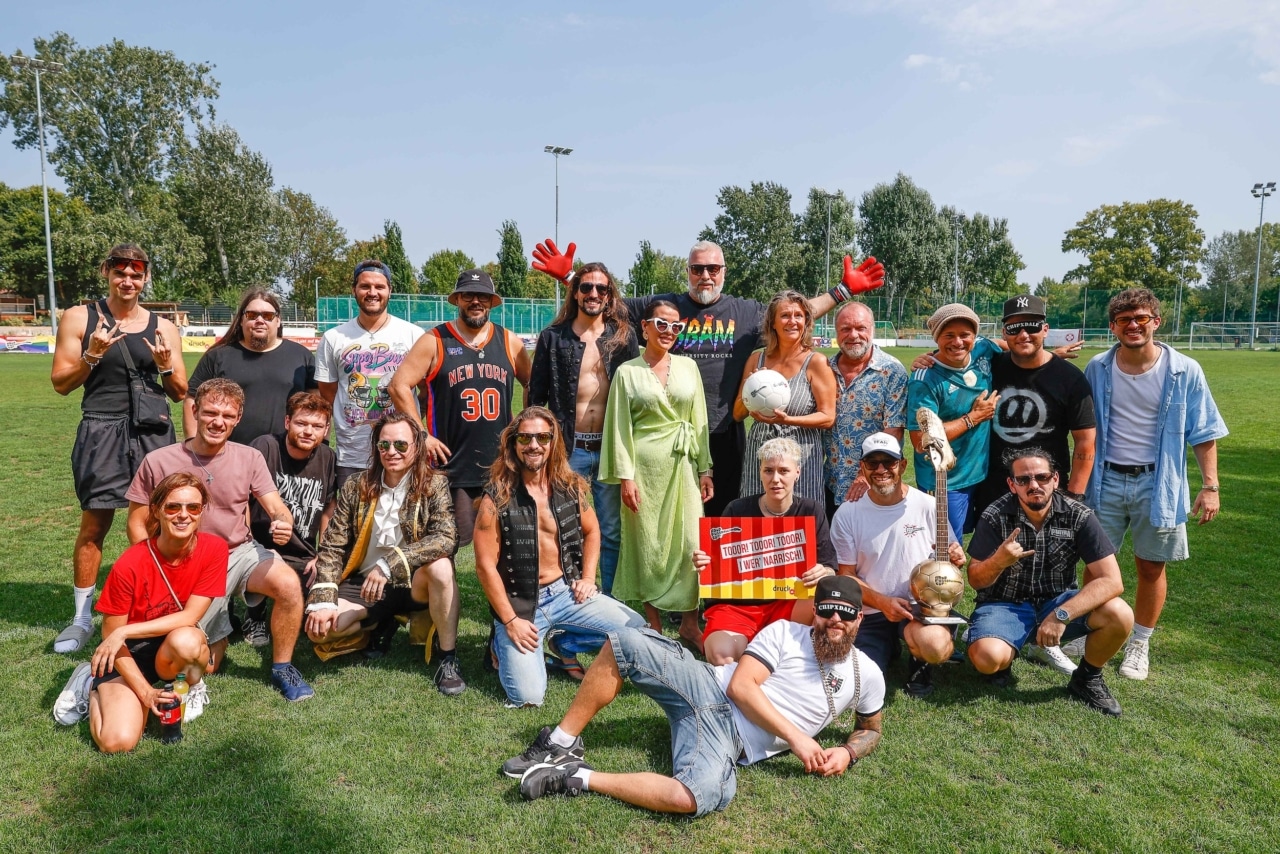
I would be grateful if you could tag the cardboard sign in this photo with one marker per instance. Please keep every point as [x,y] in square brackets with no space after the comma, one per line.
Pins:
[756,557]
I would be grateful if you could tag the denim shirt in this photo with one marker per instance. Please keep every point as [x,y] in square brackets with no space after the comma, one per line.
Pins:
[1188,416]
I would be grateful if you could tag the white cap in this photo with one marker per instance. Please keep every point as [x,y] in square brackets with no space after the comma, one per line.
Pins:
[882,443]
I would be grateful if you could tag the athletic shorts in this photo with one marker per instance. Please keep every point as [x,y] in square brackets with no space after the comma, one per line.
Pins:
[745,620]
[244,559]
[106,456]
[144,652]
[395,600]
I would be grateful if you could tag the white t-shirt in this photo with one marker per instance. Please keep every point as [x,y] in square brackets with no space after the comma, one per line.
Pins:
[887,543]
[795,687]
[1135,405]
[362,364]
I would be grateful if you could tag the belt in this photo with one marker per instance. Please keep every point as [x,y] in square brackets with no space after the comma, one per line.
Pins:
[588,444]
[1131,470]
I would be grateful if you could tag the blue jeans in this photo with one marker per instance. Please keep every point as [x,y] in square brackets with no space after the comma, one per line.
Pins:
[959,510]
[607,500]
[524,674]
[1124,503]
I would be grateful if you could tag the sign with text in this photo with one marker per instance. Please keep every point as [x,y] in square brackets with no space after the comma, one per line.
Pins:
[756,557]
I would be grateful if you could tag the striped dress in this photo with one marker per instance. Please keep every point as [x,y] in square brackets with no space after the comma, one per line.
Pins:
[812,482]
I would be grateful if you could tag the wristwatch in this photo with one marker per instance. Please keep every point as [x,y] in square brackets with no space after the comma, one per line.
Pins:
[1062,615]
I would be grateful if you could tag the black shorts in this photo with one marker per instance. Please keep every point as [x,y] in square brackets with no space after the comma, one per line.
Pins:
[106,456]
[395,600]
[144,652]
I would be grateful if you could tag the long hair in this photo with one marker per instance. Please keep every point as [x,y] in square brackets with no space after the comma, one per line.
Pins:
[171,484]
[771,314]
[235,334]
[504,474]
[615,310]
[421,473]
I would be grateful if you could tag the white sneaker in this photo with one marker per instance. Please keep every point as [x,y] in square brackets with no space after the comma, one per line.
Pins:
[1051,656]
[197,699]
[1075,648]
[1135,663]
[72,705]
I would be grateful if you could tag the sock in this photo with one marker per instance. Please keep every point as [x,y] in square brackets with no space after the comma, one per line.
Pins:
[257,612]
[1142,633]
[84,604]
[560,738]
[583,777]
[449,653]
[1087,670]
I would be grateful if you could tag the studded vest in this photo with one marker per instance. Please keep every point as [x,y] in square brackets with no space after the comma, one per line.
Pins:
[518,558]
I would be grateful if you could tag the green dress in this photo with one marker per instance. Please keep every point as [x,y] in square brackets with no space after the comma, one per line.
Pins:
[658,438]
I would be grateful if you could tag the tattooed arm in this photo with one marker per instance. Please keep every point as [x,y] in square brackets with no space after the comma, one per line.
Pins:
[864,739]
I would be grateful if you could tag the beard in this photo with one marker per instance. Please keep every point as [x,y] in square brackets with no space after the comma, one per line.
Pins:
[591,309]
[535,465]
[856,352]
[705,296]
[1038,503]
[476,322]
[884,489]
[830,652]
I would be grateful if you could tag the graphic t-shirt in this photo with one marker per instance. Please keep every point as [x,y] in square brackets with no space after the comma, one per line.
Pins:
[305,486]
[950,392]
[231,476]
[268,379]
[362,364]
[135,589]
[719,338]
[794,687]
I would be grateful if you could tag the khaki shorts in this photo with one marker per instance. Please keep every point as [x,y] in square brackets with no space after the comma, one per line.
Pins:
[245,558]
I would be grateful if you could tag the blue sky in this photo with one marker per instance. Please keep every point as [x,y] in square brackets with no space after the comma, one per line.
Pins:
[436,114]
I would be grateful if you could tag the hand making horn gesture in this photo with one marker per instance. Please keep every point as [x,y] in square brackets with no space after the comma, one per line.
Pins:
[103,338]
[1011,551]
[160,352]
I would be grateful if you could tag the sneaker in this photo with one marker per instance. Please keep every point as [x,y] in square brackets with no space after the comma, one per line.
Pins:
[448,678]
[543,752]
[1075,648]
[1001,678]
[919,679]
[1136,662]
[546,779]
[1093,693]
[289,681]
[255,631]
[197,699]
[1049,656]
[72,705]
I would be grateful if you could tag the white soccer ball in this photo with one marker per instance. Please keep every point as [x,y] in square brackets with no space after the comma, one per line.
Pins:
[765,392]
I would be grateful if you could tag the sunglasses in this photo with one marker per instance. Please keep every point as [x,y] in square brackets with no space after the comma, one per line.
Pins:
[400,445]
[585,288]
[261,315]
[878,463]
[709,269]
[484,298]
[127,265]
[1031,327]
[831,610]
[1143,320]
[1025,479]
[543,439]
[676,326]
[173,508]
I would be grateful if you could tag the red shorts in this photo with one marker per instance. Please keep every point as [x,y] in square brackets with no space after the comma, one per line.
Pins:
[745,620]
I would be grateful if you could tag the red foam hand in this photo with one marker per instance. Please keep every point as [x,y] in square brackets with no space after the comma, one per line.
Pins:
[868,275]
[550,260]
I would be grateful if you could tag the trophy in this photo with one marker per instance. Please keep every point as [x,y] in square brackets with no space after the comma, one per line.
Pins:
[937,585]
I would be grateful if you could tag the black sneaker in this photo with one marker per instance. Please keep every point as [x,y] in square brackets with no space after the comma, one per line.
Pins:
[448,678]
[546,779]
[542,752]
[256,632]
[1001,678]
[919,678]
[381,637]
[1092,691]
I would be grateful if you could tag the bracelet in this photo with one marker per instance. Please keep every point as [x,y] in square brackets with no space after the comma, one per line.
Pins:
[514,617]
[1207,488]
[164,373]
[968,422]
[853,757]
[1075,496]
[84,357]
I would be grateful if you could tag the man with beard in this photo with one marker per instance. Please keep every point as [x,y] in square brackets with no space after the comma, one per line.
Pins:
[790,684]
[537,545]
[356,361]
[879,540]
[720,333]
[254,356]
[872,398]
[1025,551]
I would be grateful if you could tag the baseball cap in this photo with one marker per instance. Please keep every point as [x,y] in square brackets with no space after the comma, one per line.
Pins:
[949,312]
[838,593]
[475,282]
[1024,304]
[882,443]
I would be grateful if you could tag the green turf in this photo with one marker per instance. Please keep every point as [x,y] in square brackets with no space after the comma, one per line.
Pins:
[379,761]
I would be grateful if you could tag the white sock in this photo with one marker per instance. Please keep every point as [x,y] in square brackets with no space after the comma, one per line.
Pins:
[560,738]
[84,605]
[1142,633]
[583,776]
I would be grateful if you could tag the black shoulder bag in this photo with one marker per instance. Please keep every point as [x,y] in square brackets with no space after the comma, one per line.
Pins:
[147,410]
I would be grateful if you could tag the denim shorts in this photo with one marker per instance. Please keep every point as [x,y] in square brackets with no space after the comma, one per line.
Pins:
[1017,622]
[1124,503]
[704,741]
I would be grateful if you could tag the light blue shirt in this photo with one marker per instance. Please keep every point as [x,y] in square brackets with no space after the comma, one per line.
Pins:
[1188,416]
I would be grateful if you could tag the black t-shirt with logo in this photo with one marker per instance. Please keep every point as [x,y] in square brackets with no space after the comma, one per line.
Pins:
[305,486]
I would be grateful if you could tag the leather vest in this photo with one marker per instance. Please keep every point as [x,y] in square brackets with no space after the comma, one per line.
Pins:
[518,557]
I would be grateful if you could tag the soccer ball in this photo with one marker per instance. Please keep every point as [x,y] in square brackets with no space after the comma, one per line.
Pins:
[765,392]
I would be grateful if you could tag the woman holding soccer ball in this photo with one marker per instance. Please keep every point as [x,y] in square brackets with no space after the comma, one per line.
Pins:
[788,350]
[656,447]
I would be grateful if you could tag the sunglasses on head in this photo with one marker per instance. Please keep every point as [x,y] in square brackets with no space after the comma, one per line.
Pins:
[400,445]
[1025,479]
[1031,327]
[173,508]
[127,265]
[676,326]
[261,315]
[585,288]
[831,609]
[709,269]
[543,439]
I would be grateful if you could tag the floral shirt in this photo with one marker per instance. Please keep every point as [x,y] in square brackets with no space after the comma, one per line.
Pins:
[874,401]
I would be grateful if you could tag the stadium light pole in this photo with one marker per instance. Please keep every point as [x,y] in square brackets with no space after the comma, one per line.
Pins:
[956,225]
[1260,192]
[558,151]
[38,65]
[317,284]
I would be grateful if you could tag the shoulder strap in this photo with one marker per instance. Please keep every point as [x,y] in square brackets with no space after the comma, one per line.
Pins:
[165,578]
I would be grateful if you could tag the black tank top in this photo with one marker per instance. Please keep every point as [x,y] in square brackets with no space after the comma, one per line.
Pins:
[106,391]
[469,402]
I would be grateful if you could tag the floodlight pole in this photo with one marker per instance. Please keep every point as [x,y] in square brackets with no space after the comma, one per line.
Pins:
[37,66]
[557,151]
[956,224]
[1260,192]
[317,284]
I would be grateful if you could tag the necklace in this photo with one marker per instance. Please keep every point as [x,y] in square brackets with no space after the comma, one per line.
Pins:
[765,507]
[208,475]
[826,680]
[479,348]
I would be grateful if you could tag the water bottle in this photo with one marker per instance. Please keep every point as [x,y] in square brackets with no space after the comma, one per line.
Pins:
[180,687]
[170,719]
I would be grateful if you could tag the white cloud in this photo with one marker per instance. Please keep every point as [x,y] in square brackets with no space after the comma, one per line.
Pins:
[1084,149]
[963,75]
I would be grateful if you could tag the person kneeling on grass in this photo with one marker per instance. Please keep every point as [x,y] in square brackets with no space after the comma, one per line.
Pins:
[155,594]
[791,682]
[386,553]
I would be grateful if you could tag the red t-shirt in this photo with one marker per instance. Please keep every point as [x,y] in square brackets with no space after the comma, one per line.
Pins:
[134,587]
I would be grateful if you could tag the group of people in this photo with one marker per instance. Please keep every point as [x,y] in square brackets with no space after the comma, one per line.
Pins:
[590,497]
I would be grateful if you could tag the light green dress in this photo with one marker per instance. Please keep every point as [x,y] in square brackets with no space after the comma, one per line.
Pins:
[658,438]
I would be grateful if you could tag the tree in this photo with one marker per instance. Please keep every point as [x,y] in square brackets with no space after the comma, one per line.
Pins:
[439,273]
[114,117]
[512,266]
[538,285]
[403,279]
[309,237]
[1229,264]
[1062,301]
[1153,245]
[656,272]
[989,264]
[76,254]
[810,275]
[757,232]
[900,226]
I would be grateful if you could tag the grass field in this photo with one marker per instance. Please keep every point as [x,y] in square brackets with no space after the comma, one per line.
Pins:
[379,761]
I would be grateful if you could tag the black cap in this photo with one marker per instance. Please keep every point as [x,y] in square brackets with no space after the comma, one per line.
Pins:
[475,282]
[839,588]
[1023,304]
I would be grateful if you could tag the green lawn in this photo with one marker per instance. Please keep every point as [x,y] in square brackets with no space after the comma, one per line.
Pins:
[379,761]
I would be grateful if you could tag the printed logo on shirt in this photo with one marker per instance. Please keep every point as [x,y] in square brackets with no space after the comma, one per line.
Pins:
[453,351]
[1021,415]
[834,681]
[367,371]
[705,336]
[910,530]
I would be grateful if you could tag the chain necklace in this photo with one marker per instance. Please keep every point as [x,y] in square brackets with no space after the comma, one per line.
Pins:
[826,684]
[208,475]
[765,507]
